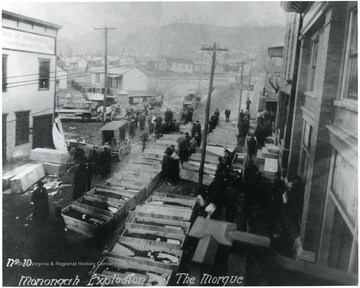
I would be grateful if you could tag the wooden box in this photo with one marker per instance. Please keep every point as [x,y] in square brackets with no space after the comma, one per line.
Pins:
[179,225]
[154,276]
[55,169]
[140,191]
[49,155]
[173,214]
[114,196]
[26,178]
[165,200]
[155,236]
[134,245]
[88,227]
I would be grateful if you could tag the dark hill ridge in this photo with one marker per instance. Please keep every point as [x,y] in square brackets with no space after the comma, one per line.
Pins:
[182,39]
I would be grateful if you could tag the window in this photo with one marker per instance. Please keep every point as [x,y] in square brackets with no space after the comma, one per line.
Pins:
[4,73]
[44,74]
[97,77]
[314,54]
[22,127]
[351,65]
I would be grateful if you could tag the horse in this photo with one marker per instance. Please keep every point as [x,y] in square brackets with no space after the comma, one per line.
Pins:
[113,110]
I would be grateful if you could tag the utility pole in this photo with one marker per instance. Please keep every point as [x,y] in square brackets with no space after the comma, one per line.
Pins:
[251,60]
[215,52]
[241,88]
[105,29]
[248,92]
[158,62]
[201,61]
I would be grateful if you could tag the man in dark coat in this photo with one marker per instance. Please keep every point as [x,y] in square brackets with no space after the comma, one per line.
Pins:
[165,165]
[248,102]
[79,182]
[144,139]
[295,203]
[251,147]
[142,120]
[189,116]
[40,200]
[132,127]
[227,115]
[168,116]
[198,127]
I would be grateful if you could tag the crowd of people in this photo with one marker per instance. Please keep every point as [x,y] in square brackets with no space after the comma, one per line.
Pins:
[255,203]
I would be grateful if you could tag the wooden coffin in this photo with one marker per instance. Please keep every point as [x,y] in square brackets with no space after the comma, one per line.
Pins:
[127,183]
[89,226]
[98,206]
[193,176]
[155,237]
[150,254]
[208,159]
[49,155]
[139,168]
[112,198]
[153,164]
[113,270]
[195,166]
[270,168]
[175,203]
[138,219]
[140,191]
[54,169]
[139,212]
[144,176]
[188,200]
[181,214]
[26,178]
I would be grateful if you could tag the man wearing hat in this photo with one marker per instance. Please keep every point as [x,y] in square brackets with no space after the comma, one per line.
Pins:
[40,200]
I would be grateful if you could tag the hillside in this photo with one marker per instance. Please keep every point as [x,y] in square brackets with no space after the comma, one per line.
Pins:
[179,39]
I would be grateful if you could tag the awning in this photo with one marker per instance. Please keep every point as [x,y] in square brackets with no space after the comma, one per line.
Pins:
[113,76]
[113,125]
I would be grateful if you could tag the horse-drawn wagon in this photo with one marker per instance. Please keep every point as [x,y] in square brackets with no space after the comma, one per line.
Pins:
[116,135]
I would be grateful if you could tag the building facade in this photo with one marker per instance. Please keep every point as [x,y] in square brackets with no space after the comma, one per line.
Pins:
[119,78]
[28,89]
[179,65]
[320,104]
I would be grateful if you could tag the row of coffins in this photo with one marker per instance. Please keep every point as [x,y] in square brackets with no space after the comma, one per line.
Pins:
[104,206]
[150,247]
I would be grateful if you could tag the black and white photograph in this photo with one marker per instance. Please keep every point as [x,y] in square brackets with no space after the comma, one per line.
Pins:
[208,143]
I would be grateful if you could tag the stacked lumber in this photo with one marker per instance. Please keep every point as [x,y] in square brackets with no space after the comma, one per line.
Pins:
[153,238]
[26,176]
[54,161]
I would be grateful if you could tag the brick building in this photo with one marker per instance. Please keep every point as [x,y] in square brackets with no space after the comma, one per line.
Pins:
[28,84]
[317,125]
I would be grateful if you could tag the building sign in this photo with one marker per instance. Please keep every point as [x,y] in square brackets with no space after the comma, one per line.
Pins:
[24,41]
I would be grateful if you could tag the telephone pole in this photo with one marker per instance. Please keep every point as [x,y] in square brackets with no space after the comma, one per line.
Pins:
[158,61]
[105,29]
[241,88]
[216,50]
[201,61]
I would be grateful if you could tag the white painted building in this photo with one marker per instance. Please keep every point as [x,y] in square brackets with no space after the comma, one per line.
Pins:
[119,78]
[28,77]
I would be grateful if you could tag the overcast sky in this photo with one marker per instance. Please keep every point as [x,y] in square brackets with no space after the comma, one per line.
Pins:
[133,16]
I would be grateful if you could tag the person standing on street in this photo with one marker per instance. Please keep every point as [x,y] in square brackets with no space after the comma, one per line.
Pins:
[227,115]
[144,139]
[40,200]
[248,102]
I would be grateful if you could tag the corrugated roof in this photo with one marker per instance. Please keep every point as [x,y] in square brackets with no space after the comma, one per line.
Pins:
[113,125]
